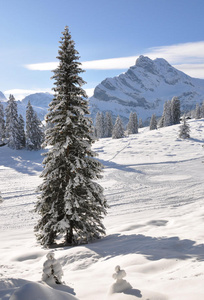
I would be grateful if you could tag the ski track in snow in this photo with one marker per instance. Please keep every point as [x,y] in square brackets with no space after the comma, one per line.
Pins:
[153,182]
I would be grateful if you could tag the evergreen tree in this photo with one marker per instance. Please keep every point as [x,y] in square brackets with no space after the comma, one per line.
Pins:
[71,203]
[34,134]
[167,116]
[140,124]
[132,126]
[22,138]
[153,122]
[108,124]
[202,110]
[2,123]
[175,110]
[184,129]
[197,111]
[118,130]
[12,128]
[100,125]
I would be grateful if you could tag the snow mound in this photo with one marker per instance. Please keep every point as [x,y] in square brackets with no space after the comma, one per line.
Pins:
[34,291]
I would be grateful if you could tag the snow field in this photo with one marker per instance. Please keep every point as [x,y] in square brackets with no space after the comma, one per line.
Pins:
[154,185]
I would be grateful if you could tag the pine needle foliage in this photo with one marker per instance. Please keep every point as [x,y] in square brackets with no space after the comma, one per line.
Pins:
[71,203]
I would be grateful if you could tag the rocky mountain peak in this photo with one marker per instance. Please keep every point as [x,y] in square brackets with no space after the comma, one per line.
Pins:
[144,88]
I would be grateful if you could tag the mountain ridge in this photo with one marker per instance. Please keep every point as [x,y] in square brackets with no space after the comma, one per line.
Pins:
[144,88]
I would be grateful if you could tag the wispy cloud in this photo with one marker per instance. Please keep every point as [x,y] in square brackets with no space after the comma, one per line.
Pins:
[187,57]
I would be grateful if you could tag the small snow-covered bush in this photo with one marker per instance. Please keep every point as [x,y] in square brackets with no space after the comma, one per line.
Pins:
[120,285]
[52,270]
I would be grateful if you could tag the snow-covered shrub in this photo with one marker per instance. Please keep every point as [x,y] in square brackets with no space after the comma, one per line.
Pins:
[120,285]
[52,270]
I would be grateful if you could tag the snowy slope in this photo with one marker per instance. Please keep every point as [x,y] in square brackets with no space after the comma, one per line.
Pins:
[144,88]
[154,184]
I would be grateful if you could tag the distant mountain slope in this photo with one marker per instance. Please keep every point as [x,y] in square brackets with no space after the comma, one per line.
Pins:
[144,88]
[2,97]
[39,101]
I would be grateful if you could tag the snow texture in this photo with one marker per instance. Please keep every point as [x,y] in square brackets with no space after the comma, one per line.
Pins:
[153,182]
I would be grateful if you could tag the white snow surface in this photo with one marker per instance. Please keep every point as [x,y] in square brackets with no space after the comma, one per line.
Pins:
[154,184]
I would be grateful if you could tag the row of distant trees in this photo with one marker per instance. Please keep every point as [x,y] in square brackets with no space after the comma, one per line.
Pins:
[171,115]
[104,126]
[13,130]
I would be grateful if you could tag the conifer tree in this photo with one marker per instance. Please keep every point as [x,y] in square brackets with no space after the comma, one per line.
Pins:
[108,124]
[175,110]
[184,129]
[132,126]
[34,134]
[118,130]
[153,122]
[202,110]
[100,125]
[2,123]
[71,203]
[197,111]
[167,116]
[12,128]
[140,123]
[22,138]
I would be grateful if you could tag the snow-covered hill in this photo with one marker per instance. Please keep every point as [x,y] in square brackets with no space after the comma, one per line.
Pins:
[144,88]
[153,182]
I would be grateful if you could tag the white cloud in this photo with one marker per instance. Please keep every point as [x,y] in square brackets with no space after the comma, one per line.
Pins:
[180,55]
[48,66]
[19,94]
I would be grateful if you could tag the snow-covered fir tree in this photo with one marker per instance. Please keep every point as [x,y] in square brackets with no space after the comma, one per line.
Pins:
[118,130]
[197,111]
[175,110]
[132,126]
[202,110]
[71,203]
[100,125]
[167,116]
[153,122]
[2,123]
[140,123]
[21,130]
[184,129]
[52,270]
[108,124]
[12,128]
[34,134]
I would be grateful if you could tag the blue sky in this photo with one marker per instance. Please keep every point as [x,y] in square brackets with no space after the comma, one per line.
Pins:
[109,35]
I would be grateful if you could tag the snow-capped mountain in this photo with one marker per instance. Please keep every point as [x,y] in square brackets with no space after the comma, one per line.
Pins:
[144,88]
[2,97]
[39,101]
